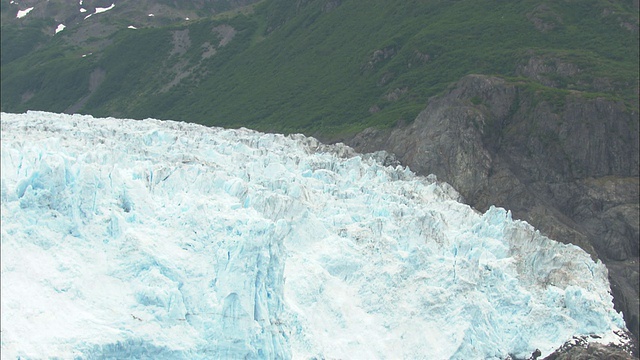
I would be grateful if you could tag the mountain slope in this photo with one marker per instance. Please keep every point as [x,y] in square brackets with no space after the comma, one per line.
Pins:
[330,67]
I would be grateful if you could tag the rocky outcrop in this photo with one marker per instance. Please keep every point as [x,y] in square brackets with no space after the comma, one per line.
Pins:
[566,163]
[580,348]
[591,352]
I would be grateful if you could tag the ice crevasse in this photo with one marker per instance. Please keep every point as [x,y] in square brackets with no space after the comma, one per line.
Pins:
[169,240]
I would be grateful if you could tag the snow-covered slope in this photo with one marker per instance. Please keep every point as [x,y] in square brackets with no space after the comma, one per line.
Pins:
[158,239]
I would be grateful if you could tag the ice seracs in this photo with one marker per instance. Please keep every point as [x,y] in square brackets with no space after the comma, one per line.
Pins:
[139,238]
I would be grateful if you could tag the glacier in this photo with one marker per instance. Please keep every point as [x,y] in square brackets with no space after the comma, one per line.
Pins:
[149,239]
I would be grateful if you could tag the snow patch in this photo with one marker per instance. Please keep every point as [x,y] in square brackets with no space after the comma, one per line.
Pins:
[60,28]
[23,13]
[101,10]
[132,27]
[83,10]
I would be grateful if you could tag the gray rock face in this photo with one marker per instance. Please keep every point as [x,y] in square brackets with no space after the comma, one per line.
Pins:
[567,165]
[592,352]
[580,349]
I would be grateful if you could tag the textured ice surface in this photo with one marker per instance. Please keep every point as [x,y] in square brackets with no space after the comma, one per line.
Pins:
[166,240]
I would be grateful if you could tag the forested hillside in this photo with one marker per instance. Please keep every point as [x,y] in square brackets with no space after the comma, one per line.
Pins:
[326,68]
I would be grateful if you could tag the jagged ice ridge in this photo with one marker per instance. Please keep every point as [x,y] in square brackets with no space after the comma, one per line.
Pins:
[168,240]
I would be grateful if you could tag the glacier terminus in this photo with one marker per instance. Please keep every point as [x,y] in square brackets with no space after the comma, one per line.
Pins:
[149,239]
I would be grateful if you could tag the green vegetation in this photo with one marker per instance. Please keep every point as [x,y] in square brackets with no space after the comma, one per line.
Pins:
[131,67]
[19,42]
[303,68]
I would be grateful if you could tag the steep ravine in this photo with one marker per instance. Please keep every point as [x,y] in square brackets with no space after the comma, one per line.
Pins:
[568,165]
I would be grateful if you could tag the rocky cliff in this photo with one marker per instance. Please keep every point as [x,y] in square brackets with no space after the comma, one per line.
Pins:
[564,162]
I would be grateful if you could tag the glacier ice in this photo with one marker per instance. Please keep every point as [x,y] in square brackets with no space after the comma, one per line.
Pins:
[168,240]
